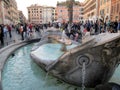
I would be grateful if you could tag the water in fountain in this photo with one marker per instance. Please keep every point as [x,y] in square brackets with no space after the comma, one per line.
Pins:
[46,76]
[83,76]
[21,73]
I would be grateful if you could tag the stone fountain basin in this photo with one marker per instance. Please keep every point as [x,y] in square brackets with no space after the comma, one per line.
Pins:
[8,50]
[100,53]
[50,52]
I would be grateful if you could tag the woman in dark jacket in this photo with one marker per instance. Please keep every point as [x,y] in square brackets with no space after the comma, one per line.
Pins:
[1,35]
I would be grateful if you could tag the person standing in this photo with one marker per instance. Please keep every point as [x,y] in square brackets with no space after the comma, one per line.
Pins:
[22,32]
[108,25]
[1,35]
[118,27]
[96,27]
[25,30]
[5,31]
[9,30]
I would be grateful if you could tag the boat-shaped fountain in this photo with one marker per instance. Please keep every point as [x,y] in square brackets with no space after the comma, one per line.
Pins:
[91,63]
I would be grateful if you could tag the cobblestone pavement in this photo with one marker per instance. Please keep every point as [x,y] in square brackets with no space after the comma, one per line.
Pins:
[17,37]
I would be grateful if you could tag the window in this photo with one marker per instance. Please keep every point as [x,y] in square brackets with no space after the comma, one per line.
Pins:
[52,13]
[81,9]
[81,13]
[107,10]
[102,12]
[81,18]
[60,10]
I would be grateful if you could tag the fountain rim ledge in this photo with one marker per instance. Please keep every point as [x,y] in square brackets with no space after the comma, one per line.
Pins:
[12,48]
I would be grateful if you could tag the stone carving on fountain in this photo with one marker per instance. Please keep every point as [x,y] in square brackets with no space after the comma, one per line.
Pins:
[101,60]
[99,66]
[111,53]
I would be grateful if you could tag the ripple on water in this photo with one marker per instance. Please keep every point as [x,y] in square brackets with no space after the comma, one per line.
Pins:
[21,73]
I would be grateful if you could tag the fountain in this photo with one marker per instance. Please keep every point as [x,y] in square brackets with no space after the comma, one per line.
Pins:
[68,64]
[21,73]
[46,76]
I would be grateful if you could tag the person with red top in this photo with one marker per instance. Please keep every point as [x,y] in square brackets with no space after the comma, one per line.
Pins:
[85,31]
[30,27]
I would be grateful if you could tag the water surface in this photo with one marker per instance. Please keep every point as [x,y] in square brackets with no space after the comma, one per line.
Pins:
[21,73]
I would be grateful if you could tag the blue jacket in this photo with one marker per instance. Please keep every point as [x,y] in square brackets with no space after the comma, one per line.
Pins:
[118,28]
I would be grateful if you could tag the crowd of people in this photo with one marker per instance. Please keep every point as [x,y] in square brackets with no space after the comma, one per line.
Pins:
[75,31]
[25,31]
[78,30]
[4,31]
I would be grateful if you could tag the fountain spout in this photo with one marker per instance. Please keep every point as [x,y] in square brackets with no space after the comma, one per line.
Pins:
[83,76]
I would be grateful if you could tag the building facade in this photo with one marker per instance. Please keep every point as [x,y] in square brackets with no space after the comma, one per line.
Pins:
[35,14]
[48,14]
[5,12]
[91,8]
[115,10]
[8,12]
[41,14]
[55,16]
[62,12]
[22,18]
[13,12]
[1,20]
[88,10]
[81,12]
[77,13]
[105,9]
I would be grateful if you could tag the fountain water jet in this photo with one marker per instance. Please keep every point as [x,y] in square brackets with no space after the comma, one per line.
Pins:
[83,76]
[46,76]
